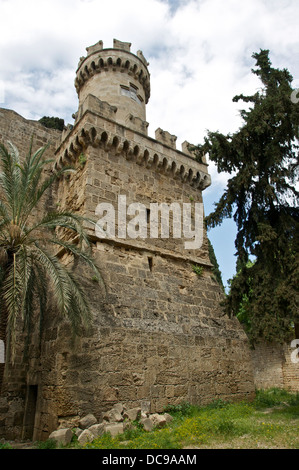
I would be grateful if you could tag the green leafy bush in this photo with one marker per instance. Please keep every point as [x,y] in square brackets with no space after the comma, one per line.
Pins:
[197,269]
[182,409]
[52,122]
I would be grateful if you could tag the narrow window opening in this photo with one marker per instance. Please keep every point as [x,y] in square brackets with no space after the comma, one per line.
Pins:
[150,263]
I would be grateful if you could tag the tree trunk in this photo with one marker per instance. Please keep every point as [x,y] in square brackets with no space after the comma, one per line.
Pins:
[2,353]
[3,323]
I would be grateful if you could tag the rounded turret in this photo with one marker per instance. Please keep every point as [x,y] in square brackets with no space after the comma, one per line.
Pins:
[116,76]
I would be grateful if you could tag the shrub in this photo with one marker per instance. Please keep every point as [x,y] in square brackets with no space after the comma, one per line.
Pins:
[5,445]
[197,269]
[48,444]
[52,122]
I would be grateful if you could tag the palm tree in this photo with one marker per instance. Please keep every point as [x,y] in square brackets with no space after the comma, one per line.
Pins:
[29,266]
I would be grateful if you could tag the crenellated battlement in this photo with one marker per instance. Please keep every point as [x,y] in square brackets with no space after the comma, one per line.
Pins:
[109,59]
[117,76]
[119,45]
[166,138]
[96,130]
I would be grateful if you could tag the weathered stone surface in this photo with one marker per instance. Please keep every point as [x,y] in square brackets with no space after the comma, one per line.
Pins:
[132,414]
[147,424]
[62,436]
[114,429]
[78,431]
[86,436]
[158,420]
[87,421]
[113,416]
[145,407]
[119,407]
[97,429]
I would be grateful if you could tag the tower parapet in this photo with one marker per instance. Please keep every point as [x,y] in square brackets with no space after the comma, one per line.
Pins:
[117,76]
[113,86]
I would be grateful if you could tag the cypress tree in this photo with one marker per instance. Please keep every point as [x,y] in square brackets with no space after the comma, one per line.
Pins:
[262,197]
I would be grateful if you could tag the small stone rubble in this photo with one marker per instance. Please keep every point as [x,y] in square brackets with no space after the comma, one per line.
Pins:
[115,421]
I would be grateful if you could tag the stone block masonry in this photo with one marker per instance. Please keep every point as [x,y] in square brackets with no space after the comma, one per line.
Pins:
[276,365]
[158,334]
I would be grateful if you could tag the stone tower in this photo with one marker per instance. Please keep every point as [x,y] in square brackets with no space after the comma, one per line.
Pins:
[158,332]
[127,88]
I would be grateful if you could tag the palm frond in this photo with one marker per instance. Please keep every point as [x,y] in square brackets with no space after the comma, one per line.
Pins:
[31,173]
[79,254]
[79,311]
[57,275]
[41,288]
[28,308]
[5,212]
[64,219]
[28,268]
[12,297]
[68,293]
[10,177]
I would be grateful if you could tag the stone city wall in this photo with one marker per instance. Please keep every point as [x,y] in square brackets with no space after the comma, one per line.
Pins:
[276,366]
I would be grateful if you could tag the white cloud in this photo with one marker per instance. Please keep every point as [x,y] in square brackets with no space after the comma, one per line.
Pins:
[199,53]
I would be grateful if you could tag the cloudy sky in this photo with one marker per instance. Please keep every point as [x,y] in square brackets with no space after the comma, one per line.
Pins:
[200,55]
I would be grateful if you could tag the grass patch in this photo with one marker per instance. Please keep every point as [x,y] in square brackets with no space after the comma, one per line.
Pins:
[48,444]
[270,421]
[275,397]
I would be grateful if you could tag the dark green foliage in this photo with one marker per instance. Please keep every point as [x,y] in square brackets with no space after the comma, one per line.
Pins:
[262,198]
[182,409]
[216,270]
[52,122]
[217,404]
